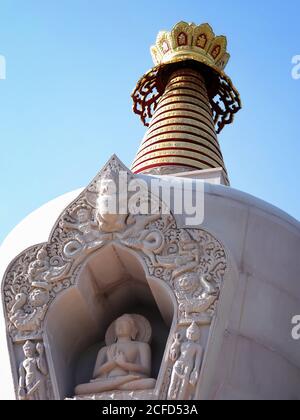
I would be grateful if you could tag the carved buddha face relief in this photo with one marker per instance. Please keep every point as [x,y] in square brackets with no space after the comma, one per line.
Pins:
[125,327]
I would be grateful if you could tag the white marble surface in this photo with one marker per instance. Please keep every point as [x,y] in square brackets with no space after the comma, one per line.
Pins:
[255,356]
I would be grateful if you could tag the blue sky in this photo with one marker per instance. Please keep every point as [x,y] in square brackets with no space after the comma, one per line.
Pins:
[65,105]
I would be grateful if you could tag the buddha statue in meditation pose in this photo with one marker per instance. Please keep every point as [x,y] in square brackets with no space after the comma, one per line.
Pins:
[124,364]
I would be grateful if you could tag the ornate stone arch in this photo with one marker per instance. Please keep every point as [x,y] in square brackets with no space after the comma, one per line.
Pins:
[190,262]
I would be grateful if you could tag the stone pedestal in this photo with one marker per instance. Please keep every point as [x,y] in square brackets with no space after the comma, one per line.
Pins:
[117,395]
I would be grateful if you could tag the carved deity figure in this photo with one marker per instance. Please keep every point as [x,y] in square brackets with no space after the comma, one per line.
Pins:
[41,270]
[201,41]
[33,373]
[112,208]
[182,39]
[125,362]
[189,254]
[87,233]
[188,359]
[216,51]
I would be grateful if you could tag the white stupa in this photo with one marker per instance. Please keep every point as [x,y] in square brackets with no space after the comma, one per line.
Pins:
[225,289]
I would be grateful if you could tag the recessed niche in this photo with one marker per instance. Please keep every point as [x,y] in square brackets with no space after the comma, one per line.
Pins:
[110,283]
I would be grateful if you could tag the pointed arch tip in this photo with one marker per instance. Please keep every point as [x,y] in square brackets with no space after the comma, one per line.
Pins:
[115,159]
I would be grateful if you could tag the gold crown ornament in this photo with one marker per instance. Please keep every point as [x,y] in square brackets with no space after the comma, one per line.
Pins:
[201,49]
[187,41]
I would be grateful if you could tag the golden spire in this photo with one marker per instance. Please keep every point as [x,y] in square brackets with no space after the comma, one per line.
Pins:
[185,100]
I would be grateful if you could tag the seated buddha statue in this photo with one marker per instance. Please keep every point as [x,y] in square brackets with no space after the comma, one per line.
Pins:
[124,364]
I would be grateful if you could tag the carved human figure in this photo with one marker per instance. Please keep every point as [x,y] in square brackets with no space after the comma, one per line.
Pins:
[123,365]
[40,266]
[33,373]
[87,233]
[186,369]
[88,230]
[189,254]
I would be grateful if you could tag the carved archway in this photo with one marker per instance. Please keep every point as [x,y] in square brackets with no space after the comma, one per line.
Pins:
[110,283]
[189,264]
